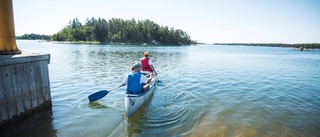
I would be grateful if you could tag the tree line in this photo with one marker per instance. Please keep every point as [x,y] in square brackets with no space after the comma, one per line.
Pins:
[117,30]
[34,36]
[298,45]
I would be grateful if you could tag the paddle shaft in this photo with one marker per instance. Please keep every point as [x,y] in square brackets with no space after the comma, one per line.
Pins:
[114,88]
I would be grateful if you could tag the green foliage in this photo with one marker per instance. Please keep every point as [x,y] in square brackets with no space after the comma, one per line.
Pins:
[33,36]
[117,30]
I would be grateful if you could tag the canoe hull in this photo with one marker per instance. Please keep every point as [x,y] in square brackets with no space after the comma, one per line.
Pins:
[133,102]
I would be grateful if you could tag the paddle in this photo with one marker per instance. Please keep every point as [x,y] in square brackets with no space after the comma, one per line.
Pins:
[100,94]
[160,83]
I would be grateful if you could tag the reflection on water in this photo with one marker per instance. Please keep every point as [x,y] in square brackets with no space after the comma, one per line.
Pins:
[131,130]
[97,105]
[207,91]
[36,125]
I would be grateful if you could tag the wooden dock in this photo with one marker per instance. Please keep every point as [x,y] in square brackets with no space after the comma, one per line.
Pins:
[24,85]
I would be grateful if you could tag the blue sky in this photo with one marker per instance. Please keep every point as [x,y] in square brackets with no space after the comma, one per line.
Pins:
[209,21]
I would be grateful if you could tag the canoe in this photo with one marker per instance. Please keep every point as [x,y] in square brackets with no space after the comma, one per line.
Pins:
[133,102]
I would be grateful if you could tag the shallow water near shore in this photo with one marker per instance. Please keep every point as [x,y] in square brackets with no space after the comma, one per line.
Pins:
[208,90]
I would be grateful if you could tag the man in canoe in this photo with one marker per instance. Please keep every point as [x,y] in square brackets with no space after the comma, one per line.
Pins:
[146,62]
[136,82]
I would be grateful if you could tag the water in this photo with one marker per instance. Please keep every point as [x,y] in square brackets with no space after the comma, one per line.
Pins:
[207,91]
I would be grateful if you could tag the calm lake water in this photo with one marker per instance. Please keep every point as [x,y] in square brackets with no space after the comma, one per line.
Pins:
[208,90]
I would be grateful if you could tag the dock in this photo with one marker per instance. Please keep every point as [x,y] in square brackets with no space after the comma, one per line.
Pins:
[24,85]
[24,76]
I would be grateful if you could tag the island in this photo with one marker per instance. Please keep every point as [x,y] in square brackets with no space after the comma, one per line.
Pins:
[120,31]
[33,36]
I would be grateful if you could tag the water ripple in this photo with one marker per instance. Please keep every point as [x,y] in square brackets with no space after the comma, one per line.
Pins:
[208,91]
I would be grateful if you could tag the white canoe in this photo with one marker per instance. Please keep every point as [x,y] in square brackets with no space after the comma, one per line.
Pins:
[133,102]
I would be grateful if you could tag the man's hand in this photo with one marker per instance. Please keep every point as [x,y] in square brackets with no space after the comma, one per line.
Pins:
[122,85]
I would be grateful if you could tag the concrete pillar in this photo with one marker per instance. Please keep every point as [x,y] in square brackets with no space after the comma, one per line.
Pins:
[7,34]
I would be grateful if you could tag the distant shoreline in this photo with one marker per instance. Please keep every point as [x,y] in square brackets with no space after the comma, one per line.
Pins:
[299,45]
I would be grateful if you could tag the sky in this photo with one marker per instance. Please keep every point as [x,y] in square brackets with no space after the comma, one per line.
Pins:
[207,21]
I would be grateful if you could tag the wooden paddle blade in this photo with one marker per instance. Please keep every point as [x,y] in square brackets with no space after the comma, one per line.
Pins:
[98,95]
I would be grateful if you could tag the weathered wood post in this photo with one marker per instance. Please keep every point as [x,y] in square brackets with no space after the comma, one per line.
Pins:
[24,76]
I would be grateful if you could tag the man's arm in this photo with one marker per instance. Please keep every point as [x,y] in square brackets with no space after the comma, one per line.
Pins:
[149,79]
[146,80]
[151,66]
[153,69]
[124,82]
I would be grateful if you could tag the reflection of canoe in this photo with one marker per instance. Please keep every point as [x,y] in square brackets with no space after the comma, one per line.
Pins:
[133,102]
